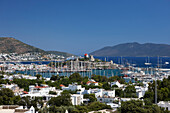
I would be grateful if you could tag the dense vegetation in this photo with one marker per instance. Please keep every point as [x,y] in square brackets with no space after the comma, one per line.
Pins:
[63,103]
[7,97]
[24,83]
[139,107]
[163,91]
[91,97]
[129,92]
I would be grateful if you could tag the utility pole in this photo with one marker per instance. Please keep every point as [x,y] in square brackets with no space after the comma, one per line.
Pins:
[156,83]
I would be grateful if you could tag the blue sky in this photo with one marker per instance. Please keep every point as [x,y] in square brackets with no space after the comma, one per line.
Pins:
[83,26]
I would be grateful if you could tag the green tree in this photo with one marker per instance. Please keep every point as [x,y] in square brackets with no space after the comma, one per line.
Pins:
[130,91]
[38,76]
[53,77]
[75,77]
[64,99]
[119,92]
[163,90]
[52,93]
[106,86]
[99,78]
[7,97]
[81,109]
[137,106]
[132,107]
[91,97]
[95,106]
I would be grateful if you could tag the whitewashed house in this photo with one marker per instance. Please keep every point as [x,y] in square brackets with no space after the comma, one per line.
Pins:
[116,83]
[164,104]
[73,87]
[77,99]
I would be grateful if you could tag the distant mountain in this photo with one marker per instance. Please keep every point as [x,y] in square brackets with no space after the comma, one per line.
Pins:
[11,45]
[134,49]
[60,53]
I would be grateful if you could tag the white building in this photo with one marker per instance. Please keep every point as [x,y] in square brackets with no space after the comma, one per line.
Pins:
[128,99]
[41,91]
[16,109]
[97,92]
[14,88]
[92,58]
[113,105]
[76,99]
[108,93]
[100,92]
[164,104]
[116,83]
[91,81]
[140,91]
[74,87]
[106,99]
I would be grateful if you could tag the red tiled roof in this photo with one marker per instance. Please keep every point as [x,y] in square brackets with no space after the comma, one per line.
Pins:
[125,75]
[25,92]
[89,82]
[61,85]
[40,86]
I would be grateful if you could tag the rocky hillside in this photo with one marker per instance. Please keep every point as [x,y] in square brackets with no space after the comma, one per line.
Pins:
[11,45]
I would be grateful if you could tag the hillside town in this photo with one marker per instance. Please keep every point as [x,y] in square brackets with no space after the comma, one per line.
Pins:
[31,56]
[39,94]
[84,56]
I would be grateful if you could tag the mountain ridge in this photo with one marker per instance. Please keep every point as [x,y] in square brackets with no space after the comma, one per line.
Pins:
[134,49]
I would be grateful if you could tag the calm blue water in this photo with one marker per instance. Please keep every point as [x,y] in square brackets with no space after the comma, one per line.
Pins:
[107,73]
[139,61]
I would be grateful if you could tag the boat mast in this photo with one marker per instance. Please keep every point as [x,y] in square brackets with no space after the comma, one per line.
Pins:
[55,68]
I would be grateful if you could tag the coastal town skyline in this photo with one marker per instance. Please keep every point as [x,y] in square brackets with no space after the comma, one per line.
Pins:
[80,27]
[84,56]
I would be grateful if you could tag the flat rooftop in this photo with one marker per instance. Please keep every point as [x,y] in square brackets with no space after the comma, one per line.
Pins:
[7,110]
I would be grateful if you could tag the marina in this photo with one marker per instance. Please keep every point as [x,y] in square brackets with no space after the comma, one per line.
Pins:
[110,67]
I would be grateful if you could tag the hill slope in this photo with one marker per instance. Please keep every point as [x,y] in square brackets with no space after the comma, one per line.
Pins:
[134,49]
[11,45]
[60,53]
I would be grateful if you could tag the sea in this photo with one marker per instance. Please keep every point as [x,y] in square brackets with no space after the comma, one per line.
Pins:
[134,61]
[163,62]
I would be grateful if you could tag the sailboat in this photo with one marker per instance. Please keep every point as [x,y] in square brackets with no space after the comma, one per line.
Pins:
[166,63]
[112,74]
[147,63]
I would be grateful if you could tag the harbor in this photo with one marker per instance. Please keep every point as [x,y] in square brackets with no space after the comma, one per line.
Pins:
[88,66]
